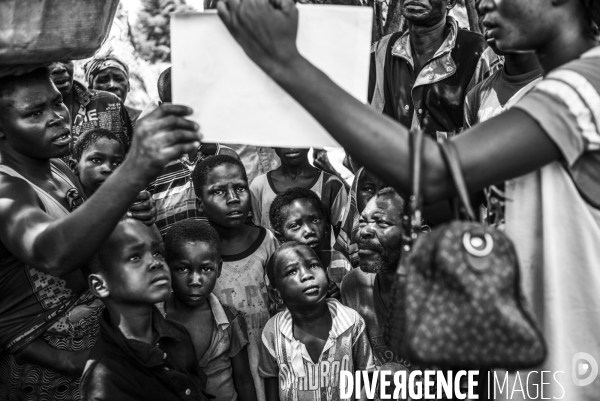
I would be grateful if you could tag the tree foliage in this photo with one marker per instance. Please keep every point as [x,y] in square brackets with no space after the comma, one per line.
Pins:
[152,31]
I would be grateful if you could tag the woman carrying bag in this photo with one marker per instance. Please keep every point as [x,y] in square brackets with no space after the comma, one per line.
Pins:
[546,147]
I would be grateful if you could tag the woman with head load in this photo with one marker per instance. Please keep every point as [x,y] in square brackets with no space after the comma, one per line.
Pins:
[48,319]
[547,147]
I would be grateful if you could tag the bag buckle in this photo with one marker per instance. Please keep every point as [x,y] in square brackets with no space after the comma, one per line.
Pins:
[477,245]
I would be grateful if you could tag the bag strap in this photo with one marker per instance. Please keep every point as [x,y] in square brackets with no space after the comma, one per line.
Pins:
[452,161]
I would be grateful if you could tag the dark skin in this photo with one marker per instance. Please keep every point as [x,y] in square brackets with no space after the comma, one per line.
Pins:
[194,272]
[554,30]
[33,125]
[112,80]
[427,27]
[61,73]
[225,202]
[368,186]
[294,171]
[97,163]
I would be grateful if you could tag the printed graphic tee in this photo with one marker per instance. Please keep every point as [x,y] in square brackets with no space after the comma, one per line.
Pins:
[242,286]
[300,379]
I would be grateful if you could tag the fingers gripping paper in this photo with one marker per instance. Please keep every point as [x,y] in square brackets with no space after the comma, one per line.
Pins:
[234,101]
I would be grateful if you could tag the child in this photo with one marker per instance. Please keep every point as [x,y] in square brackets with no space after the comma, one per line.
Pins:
[298,214]
[218,332]
[96,155]
[364,187]
[222,193]
[139,355]
[305,348]
[296,171]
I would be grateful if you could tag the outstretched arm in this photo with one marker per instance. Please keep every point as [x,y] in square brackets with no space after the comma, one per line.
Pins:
[504,147]
[60,246]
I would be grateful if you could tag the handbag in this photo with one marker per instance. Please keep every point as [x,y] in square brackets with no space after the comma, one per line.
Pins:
[456,297]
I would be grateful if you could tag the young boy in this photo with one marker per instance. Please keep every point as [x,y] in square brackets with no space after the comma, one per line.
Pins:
[96,155]
[305,348]
[139,355]
[298,214]
[218,332]
[222,193]
[296,171]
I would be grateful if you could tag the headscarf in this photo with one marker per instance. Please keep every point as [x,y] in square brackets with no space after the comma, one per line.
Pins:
[101,63]
[346,240]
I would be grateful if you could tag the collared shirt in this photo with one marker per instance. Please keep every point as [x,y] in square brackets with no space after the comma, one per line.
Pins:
[433,98]
[281,355]
[100,109]
[124,369]
[229,337]
[173,192]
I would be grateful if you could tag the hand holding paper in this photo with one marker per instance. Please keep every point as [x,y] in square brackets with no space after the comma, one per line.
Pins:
[233,99]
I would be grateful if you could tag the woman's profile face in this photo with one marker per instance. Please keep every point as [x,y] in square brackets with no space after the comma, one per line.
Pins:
[520,25]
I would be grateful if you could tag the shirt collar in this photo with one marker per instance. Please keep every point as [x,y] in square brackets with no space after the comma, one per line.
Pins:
[147,354]
[218,312]
[402,46]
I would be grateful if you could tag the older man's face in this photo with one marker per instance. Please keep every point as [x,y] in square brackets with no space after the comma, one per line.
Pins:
[380,234]
[61,73]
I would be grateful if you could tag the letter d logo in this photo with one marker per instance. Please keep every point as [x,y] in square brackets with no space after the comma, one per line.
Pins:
[584,369]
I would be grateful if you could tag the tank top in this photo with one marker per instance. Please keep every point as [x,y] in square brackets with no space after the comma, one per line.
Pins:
[32,301]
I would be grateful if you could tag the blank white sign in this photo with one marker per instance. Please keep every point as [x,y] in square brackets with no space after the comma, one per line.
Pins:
[234,101]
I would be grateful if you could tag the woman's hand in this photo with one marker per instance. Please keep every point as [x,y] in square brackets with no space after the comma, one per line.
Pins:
[143,209]
[266,29]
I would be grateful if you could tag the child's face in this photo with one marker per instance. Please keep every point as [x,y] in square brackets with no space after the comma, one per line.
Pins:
[34,120]
[98,162]
[135,270]
[368,186]
[292,157]
[305,223]
[225,196]
[194,271]
[300,277]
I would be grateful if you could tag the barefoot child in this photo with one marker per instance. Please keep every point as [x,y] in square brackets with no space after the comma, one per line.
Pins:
[219,334]
[221,188]
[139,355]
[296,171]
[298,214]
[315,338]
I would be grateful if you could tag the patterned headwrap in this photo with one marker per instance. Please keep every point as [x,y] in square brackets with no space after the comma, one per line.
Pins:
[100,63]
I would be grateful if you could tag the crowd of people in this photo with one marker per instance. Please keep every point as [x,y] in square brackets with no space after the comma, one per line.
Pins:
[139,263]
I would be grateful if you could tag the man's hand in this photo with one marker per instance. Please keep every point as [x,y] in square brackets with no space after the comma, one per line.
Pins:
[143,209]
[266,29]
[162,136]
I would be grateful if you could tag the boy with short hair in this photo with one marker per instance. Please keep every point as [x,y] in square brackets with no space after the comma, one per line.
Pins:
[298,214]
[315,338]
[96,154]
[222,193]
[219,333]
[296,171]
[139,355]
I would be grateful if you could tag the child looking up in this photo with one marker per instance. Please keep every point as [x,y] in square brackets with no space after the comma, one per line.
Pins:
[222,193]
[315,339]
[298,214]
[193,253]
[96,155]
[296,171]
[139,355]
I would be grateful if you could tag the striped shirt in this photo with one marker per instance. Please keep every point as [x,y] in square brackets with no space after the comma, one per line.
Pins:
[281,355]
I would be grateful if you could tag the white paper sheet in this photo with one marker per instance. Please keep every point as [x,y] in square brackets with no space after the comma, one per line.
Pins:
[234,101]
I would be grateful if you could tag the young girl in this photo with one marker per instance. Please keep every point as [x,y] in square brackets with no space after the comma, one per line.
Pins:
[222,194]
[315,338]
[547,145]
[219,334]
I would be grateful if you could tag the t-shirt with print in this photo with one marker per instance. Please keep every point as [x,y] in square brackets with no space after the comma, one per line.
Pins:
[282,356]
[328,187]
[556,231]
[229,337]
[242,286]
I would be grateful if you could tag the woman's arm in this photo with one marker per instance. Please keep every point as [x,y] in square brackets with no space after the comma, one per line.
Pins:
[504,147]
[61,246]
[242,378]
